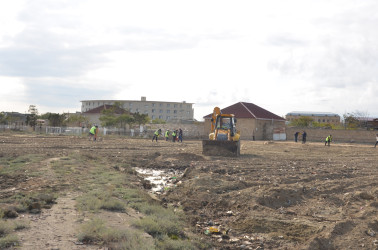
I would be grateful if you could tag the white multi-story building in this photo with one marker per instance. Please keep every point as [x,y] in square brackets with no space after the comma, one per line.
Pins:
[154,109]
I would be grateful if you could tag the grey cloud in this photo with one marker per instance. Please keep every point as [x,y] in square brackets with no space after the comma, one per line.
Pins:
[38,53]
[55,93]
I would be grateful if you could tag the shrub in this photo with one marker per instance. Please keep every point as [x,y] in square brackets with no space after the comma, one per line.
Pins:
[9,241]
[113,205]
[92,232]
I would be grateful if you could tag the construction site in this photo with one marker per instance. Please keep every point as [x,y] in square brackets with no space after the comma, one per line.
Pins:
[66,192]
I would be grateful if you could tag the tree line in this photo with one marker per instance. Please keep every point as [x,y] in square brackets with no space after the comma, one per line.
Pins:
[353,120]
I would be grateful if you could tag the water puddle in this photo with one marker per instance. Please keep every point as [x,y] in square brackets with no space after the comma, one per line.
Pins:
[161,180]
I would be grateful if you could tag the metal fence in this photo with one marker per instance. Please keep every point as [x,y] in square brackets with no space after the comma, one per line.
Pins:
[79,131]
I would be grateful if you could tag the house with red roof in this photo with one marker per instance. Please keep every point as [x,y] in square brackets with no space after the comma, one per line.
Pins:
[254,122]
[94,114]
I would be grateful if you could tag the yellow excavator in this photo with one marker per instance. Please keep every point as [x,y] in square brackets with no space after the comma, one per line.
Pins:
[224,139]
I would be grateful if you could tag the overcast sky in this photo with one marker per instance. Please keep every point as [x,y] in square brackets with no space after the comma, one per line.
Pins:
[292,55]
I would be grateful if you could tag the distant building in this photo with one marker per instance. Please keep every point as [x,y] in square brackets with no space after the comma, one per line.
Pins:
[167,111]
[320,117]
[367,122]
[14,118]
[253,122]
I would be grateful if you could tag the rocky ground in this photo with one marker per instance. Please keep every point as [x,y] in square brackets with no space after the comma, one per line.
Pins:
[276,195]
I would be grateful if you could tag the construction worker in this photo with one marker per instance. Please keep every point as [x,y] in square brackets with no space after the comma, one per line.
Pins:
[156,135]
[328,140]
[93,132]
[174,133]
[167,135]
[304,137]
[296,136]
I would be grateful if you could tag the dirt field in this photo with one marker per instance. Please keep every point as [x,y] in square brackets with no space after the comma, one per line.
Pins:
[276,195]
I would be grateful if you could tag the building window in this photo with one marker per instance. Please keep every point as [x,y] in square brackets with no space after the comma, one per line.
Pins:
[175,111]
[153,117]
[168,117]
[153,104]
[160,117]
[160,105]
[168,111]
[153,111]
[175,105]
[160,111]
[168,105]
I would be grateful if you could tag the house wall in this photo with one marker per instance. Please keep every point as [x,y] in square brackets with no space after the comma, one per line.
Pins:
[249,128]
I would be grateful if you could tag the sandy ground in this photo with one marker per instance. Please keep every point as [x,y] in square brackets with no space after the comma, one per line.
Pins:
[276,195]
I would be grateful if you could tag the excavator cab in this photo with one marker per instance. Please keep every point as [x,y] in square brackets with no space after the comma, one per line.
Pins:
[224,138]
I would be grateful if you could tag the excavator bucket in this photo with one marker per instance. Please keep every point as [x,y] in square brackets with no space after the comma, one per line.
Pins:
[221,148]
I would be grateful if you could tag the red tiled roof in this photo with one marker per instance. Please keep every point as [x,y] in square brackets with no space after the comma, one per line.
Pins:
[248,110]
[99,109]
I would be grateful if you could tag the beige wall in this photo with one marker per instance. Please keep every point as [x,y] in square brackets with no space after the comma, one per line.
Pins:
[319,135]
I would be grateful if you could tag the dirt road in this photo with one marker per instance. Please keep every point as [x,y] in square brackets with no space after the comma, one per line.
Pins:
[276,195]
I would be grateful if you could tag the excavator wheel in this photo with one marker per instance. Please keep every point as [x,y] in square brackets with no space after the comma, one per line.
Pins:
[221,148]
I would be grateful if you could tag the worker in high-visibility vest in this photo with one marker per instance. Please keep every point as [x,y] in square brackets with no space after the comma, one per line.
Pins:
[156,134]
[93,132]
[174,133]
[167,135]
[328,140]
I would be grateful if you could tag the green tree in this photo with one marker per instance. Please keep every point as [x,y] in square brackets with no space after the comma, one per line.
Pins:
[3,118]
[158,121]
[115,117]
[31,120]
[350,121]
[77,120]
[55,119]
[303,121]
[125,119]
[141,119]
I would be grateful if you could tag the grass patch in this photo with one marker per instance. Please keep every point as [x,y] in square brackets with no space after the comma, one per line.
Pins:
[95,232]
[6,238]
[9,241]
[14,166]
[20,225]
[158,227]
[168,243]
[96,200]
[5,228]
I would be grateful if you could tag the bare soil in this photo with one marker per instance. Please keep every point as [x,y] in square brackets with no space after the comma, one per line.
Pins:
[276,195]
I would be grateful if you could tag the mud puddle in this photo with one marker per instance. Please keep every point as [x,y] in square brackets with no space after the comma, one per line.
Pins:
[160,180]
